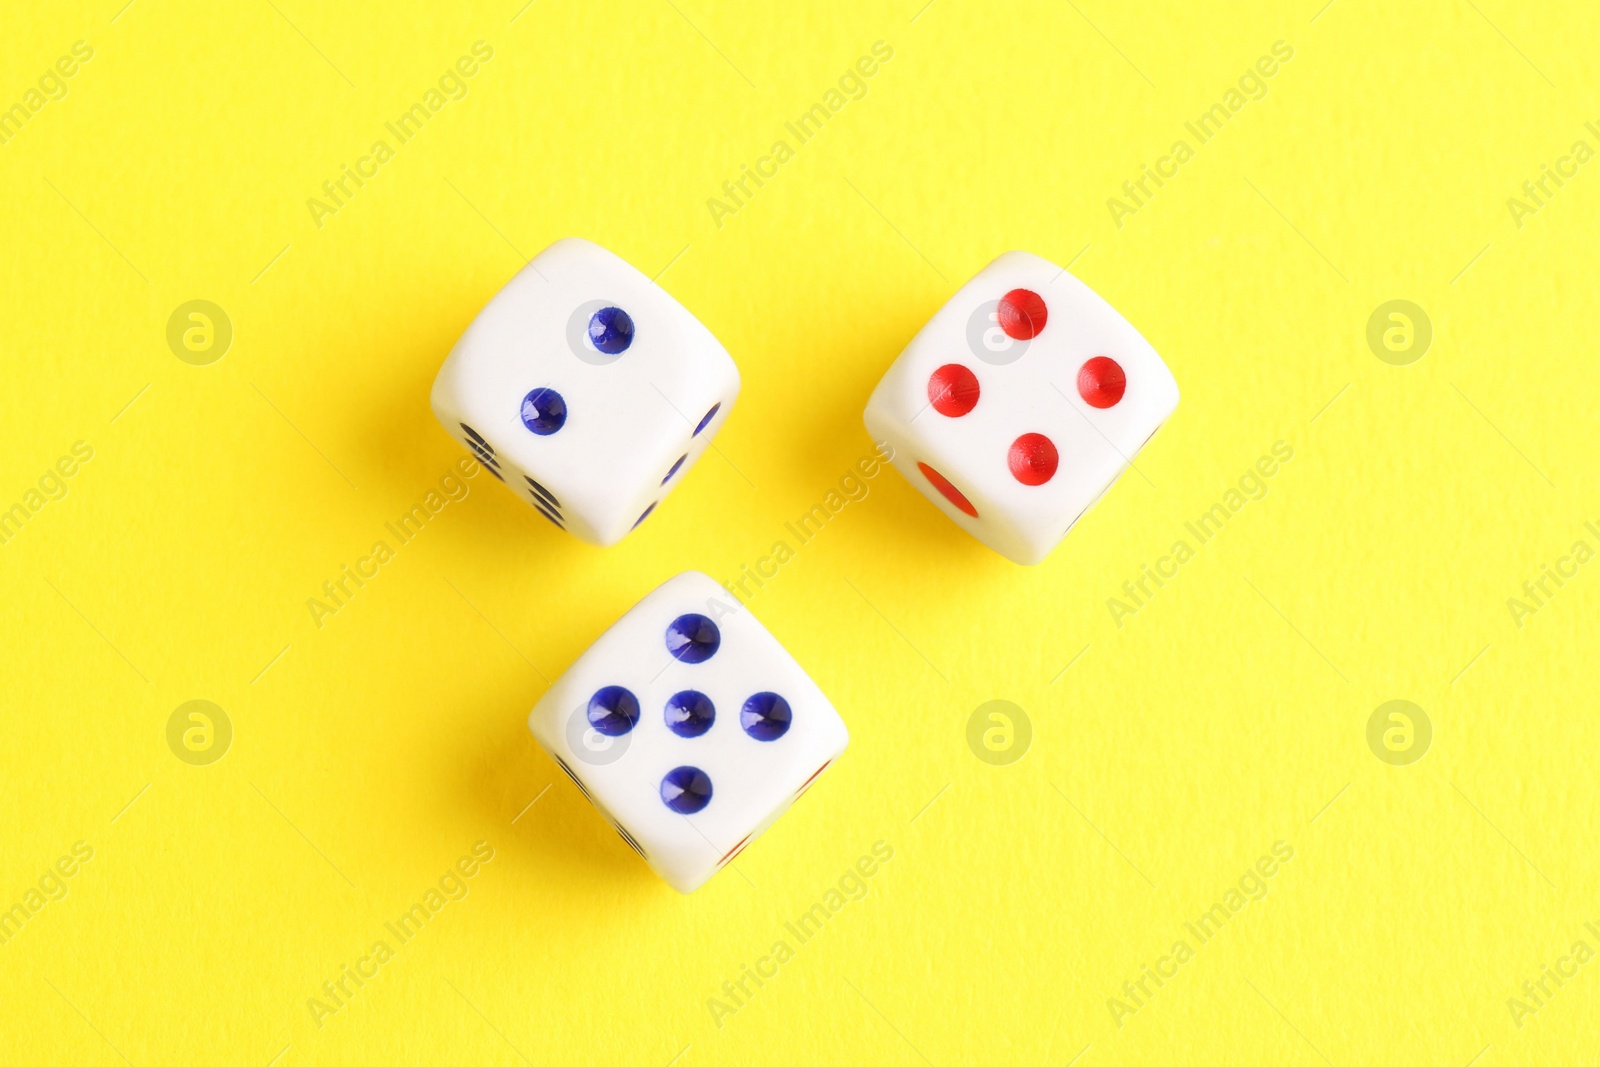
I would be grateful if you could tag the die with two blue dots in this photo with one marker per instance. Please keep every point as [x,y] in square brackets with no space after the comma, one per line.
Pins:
[587,389]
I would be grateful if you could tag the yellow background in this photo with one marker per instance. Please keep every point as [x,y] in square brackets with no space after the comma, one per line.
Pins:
[1229,713]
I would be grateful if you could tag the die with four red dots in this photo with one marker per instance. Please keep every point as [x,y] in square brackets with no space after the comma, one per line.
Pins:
[689,727]
[1019,403]
[587,389]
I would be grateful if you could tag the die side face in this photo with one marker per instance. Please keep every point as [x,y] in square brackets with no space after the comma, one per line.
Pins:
[1019,403]
[690,727]
[587,389]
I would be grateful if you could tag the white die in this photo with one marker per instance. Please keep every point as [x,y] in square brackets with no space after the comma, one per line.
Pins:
[630,760]
[1005,409]
[593,439]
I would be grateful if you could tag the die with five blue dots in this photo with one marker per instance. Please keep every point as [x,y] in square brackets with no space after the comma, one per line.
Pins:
[690,727]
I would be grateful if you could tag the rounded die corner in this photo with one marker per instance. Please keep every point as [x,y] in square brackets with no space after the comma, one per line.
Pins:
[1023,259]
